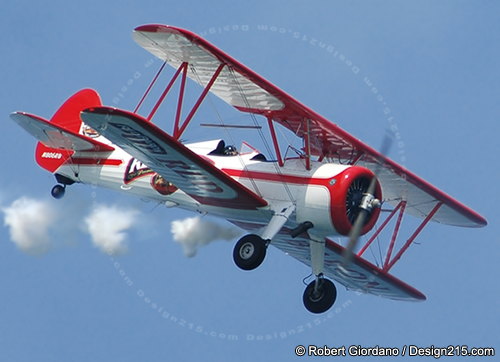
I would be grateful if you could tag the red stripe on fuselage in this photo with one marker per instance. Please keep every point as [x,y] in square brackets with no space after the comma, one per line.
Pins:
[94,161]
[264,176]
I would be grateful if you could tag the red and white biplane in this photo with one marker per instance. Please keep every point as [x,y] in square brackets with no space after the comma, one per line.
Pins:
[336,186]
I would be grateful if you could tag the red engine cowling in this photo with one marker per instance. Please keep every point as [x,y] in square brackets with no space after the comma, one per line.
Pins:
[346,194]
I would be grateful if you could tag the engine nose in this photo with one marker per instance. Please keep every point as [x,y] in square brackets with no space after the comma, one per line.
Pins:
[349,194]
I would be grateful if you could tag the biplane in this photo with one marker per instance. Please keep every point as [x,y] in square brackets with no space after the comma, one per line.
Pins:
[335,186]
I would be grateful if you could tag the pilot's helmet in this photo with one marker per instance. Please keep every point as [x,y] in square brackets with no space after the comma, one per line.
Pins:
[230,151]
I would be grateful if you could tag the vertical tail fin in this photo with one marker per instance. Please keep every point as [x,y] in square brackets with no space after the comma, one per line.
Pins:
[67,117]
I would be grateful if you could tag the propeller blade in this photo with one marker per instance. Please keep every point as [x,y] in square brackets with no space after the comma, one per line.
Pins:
[354,236]
[364,212]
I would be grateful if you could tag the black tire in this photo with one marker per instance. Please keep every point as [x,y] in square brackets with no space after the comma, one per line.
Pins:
[58,191]
[249,252]
[324,299]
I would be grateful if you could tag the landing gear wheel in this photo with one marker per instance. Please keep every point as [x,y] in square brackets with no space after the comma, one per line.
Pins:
[58,191]
[321,300]
[249,252]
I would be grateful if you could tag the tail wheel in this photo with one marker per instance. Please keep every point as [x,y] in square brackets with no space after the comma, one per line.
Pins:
[58,191]
[249,252]
[321,299]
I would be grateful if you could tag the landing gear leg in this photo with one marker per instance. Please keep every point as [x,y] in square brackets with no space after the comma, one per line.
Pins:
[250,251]
[58,191]
[321,293]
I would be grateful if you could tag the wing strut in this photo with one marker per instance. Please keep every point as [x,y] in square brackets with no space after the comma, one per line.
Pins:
[395,234]
[179,127]
[181,97]
[307,145]
[391,263]
[178,132]
[150,87]
[165,92]
[382,227]
[275,141]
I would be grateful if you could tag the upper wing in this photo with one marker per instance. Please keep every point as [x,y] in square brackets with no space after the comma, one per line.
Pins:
[191,173]
[247,91]
[55,136]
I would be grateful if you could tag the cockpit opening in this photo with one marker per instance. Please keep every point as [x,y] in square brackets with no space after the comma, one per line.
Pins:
[223,150]
[229,150]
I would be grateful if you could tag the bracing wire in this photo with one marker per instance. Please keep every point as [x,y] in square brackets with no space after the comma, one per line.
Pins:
[226,131]
[378,262]
[261,133]
[379,251]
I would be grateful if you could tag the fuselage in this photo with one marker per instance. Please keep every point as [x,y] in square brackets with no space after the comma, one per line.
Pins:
[311,191]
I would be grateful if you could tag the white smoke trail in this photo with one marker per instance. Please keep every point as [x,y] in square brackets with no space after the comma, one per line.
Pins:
[29,222]
[107,226]
[193,232]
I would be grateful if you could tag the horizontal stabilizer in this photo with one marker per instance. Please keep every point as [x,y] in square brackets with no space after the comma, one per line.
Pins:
[194,175]
[54,136]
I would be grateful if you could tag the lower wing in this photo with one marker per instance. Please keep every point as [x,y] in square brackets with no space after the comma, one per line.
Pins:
[189,172]
[360,275]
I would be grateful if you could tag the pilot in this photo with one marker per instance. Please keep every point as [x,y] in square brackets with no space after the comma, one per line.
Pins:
[230,151]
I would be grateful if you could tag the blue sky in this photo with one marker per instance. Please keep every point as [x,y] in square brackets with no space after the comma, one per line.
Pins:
[434,63]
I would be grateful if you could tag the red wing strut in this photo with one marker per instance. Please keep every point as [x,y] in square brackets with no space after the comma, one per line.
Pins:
[191,173]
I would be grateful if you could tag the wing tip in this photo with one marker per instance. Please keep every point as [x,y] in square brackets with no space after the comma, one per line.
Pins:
[474,221]
[482,221]
[477,221]
[151,28]
[162,28]
[20,116]
[158,28]
[15,115]
[105,110]
[419,296]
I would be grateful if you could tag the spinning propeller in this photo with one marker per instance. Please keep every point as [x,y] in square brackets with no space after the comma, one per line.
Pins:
[361,201]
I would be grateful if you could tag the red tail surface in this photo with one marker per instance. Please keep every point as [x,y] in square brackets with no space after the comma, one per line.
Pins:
[67,117]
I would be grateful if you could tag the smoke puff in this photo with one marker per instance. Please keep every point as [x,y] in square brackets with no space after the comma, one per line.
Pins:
[194,232]
[29,222]
[107,226]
